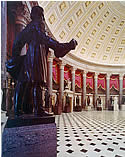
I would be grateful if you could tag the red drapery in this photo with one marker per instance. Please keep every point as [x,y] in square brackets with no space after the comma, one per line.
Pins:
[55,72]
[78,78]
[67,73]
[102,81]
[124,82]
[114,82]
[90,80]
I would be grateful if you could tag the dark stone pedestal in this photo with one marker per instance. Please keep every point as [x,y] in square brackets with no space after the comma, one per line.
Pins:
[30,136]
[111,108]
[78,108]
[99,108]
[67,109]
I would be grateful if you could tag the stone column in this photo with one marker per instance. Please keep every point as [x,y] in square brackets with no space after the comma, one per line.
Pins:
[50,66]
[120,88]
[73,69]
[107,90]
[3,41]
[22,19]
[61,87]
[84,90]
[3,55]
[96,87]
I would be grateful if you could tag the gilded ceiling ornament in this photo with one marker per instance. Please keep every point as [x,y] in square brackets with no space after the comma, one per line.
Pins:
[113,20]
[116,59]
[107,29]
[117,31]
[79,12]
[122,22]
[101,5]
[87,3]
[119,50]
[123,42]
[104,57]
[93,15]
[97,46]
[83,51]
[94,31]
[88,41]
[93,55]
[52,19]
[100,22]
[112,40]
[86,24]
[62,6]
[62,34]
[102,37]
[70,23]
[108,49]
[79,34]
[106,14]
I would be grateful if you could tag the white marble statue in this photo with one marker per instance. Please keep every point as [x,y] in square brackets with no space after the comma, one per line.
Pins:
[116,108]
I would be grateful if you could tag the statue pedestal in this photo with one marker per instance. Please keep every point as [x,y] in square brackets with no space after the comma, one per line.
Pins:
[122,107]
[116,107]
[30,136]
[88,108]
[48,109]
[78,108]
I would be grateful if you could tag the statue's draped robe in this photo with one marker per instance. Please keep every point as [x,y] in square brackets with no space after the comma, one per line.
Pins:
[31,69]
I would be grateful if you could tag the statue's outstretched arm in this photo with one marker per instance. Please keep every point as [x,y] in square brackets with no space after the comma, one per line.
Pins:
[60,49]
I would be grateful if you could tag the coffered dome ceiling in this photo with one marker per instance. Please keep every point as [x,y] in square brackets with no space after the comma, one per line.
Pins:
[99,28]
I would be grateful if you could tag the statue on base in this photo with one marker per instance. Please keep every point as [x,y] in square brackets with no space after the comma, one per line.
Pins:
[30,70]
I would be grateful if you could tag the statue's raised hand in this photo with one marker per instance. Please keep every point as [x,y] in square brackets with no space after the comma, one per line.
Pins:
[73,43]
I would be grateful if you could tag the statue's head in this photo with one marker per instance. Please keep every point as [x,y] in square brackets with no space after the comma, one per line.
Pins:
[37,12]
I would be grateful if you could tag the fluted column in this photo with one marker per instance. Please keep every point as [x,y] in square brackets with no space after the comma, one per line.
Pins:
[61,87]
[73,69]
[20,23]
[3,41]
[120,88]
[107,90]
[96,88]
[50,66]
[84,90]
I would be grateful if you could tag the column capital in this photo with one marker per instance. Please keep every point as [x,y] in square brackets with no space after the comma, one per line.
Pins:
[121,76]
[96,75]
[84,73]
[50,55]
[108,76]
[62,64]
[73,69]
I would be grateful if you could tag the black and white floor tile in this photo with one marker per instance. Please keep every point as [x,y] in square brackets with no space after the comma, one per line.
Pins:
[91,134]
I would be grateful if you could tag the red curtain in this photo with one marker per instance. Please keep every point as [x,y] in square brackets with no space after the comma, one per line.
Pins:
[90,80]
[114,82]
[124,82]
[67,73]
[55,72]
[102,81]
[78,78]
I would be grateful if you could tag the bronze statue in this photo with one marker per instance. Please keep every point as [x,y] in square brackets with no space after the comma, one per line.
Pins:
[30,70]
[88,101]
[77,100]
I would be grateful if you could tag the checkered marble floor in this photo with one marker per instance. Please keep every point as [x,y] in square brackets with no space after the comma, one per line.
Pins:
[91,134]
